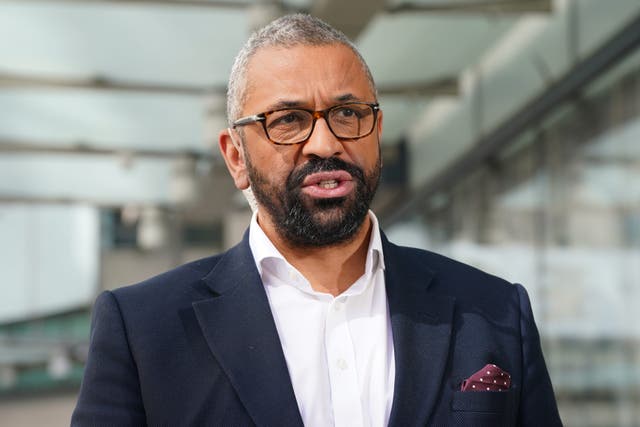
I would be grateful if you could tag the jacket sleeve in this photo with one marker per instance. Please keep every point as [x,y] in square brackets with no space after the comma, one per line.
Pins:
[537,401]
[110,392]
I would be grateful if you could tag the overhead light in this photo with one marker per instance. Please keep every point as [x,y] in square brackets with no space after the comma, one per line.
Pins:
[59,364]
[152,232]
[183,185]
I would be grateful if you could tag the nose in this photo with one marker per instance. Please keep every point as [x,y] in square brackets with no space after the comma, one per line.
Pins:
[322,142]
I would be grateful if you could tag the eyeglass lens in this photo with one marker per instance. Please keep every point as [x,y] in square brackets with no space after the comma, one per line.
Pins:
[345,121]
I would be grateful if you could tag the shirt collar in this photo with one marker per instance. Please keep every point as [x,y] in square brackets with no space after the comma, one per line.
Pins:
[263,249]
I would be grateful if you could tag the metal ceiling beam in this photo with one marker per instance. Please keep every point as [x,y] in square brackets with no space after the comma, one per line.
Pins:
[490,6]
[350,17]
[566,89]
[104,83]
[83,148]
[323,8]
[52,200]
[219,4]
[442,86]
[446,86]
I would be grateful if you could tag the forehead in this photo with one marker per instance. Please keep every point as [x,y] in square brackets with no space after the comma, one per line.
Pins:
[305,75]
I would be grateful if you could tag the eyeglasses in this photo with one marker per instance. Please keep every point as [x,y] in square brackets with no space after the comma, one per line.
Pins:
[290,126]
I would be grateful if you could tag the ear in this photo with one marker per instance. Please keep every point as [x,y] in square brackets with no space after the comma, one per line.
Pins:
[379,126]
[233,154]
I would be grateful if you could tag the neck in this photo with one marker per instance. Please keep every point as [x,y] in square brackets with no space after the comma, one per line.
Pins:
[329,269]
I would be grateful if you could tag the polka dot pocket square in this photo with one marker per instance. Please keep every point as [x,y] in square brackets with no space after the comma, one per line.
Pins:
[489,378]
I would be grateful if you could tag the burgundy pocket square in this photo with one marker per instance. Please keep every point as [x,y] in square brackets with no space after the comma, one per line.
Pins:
[489,378]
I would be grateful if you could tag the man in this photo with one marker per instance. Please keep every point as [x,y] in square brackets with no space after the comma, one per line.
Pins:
[314,318]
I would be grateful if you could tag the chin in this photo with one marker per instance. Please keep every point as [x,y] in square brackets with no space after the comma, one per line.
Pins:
[329,217]
[331,209]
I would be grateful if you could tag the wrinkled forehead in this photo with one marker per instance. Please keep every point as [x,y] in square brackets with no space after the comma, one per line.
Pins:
[302,71]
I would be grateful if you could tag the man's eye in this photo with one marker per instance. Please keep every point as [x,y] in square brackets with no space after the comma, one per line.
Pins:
[346,112]
[350,112]
[290,118]
[287,119]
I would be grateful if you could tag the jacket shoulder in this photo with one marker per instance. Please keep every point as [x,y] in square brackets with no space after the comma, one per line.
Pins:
[451,277]
[178,287]
[441,263]
[181,275]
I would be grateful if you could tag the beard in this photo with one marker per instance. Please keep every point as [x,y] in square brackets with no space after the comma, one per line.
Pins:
[306,222]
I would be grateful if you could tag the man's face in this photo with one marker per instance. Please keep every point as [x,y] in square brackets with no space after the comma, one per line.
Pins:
[316,193]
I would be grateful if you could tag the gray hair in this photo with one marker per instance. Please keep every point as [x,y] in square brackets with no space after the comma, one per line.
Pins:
[287,31]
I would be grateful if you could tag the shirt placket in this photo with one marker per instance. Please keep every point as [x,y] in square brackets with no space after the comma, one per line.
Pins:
[343,376]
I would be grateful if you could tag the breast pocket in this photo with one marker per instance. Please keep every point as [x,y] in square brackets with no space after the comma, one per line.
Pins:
[484,408]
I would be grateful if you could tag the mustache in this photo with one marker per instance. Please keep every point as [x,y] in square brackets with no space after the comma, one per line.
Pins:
[316,164]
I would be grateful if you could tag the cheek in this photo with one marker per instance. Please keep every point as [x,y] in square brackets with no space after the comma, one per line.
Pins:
[272,165]
[366,156]
[287,159]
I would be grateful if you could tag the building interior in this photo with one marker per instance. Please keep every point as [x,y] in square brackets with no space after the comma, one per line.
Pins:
[507,144]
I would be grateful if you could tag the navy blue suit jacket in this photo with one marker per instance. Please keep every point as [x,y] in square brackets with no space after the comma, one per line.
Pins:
[198,346]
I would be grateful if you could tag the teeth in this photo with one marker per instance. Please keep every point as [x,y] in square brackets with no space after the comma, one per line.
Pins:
[332,183]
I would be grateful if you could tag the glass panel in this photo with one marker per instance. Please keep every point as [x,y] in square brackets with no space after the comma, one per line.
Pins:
[562,204]
[50,259]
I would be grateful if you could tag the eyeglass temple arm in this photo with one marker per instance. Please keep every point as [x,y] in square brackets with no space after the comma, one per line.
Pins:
[248,120]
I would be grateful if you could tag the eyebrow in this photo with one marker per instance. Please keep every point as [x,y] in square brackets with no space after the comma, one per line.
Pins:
[347,97]
[283,104]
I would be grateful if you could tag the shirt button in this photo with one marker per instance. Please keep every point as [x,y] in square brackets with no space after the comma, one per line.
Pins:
[339,304]
[342,364]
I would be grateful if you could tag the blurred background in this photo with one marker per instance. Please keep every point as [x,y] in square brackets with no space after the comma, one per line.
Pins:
[511,142]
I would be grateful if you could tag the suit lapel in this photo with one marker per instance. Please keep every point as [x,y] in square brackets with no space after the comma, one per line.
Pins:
[421,322]
[240,331]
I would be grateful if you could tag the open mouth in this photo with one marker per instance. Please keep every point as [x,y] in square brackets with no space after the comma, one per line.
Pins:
[328,184]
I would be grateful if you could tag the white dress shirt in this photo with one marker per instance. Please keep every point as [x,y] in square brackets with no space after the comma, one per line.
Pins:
[339,350]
